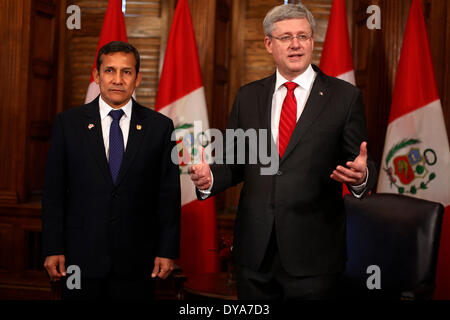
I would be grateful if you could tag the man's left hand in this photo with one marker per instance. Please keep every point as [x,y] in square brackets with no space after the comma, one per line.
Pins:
[163,267]
[356,172]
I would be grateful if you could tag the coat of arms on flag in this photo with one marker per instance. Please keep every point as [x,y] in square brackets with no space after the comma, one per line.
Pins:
[409,167]
[190,145]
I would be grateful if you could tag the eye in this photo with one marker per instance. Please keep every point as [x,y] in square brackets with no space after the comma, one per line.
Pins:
[286,38]
[303,37]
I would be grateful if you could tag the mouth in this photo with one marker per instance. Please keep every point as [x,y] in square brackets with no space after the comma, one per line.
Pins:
[116,90]
[295,56]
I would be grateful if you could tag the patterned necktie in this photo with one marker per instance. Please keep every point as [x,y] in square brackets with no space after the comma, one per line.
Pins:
[115,143]
[288,118]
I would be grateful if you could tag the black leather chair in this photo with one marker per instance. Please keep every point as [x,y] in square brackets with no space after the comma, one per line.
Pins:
[400,235]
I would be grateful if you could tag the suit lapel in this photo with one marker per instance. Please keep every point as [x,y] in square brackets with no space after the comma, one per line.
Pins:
[265,107]
[93,130]
[265,101]
[135,136]
[314,106]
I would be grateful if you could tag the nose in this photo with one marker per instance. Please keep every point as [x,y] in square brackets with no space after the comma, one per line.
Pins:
[295,43]
[117,78]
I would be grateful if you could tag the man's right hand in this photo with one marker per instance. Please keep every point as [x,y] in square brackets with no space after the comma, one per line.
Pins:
[55,267]
[201,174]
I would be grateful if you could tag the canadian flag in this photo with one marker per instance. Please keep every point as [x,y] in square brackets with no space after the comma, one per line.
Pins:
[181,97]
[113,29]
[336,60]
[416,156]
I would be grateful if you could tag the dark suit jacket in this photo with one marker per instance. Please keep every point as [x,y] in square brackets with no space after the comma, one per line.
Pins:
[303,202]
[100,226]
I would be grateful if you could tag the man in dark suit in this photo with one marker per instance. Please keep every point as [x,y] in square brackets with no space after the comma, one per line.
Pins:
[111,200]
[289,239]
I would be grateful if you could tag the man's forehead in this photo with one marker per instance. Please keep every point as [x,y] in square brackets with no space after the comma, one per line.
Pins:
[123,58]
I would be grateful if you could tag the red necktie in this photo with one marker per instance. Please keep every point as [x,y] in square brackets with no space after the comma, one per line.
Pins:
[288,118]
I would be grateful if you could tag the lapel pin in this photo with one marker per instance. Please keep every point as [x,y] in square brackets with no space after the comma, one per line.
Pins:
[321,93]
[90,126]
[138,127]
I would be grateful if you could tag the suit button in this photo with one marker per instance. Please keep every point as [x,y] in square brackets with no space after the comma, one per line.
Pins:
[279,173]
[114,195]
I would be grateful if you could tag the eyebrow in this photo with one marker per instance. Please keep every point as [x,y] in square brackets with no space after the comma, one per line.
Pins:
[114,68]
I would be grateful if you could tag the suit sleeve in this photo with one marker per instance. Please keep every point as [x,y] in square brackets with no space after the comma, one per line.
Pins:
[227,175]
[169,202]
[54,194]
[354,134]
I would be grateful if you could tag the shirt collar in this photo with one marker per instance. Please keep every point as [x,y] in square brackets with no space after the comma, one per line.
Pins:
[106,108]
[304,80]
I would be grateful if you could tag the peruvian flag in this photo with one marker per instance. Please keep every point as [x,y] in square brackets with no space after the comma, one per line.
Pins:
[113,29]
[336,60]
[416,156]
[181,97]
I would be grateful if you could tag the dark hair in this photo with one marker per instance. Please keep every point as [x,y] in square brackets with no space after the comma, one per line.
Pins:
[118,46]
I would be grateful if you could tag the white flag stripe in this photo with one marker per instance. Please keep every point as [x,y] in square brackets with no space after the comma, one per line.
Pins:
[182,111]
[427,125]
[92,92]
[186,110]
[348,76]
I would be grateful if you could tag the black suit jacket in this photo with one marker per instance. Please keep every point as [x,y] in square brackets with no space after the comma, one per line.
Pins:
[100,226]
[301,199]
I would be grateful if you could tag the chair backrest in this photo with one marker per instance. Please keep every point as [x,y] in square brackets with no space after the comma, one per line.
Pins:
[398,234]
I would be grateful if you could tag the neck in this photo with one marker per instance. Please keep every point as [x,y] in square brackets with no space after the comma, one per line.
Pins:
[292,75]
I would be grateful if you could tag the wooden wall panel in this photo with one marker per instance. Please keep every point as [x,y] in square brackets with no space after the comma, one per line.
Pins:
[29,84]
[30,89]
[42,89]
[6,243]
[15,19]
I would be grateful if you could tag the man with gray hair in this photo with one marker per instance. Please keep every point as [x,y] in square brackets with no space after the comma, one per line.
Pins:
[289,240]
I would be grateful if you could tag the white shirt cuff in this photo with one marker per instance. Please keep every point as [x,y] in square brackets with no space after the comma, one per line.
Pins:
[358,190]
[207,192]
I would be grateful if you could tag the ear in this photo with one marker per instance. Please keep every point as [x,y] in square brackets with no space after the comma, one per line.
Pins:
[96,76]
[268,44]
[138,79]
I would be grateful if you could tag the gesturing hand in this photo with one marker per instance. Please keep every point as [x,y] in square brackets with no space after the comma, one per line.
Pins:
[356,172]
[201,174]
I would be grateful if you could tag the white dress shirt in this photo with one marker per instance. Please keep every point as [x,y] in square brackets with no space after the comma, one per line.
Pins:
[305,82]
[106,121]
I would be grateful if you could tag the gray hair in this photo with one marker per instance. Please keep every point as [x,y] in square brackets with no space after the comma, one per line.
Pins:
[285,12]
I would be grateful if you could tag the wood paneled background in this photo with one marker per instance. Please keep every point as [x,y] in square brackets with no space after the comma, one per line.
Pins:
[46,69]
